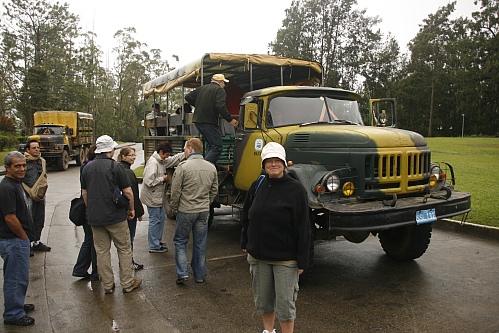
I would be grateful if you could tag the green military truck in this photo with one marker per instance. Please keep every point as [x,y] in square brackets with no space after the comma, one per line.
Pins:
[63,136]
[361,178]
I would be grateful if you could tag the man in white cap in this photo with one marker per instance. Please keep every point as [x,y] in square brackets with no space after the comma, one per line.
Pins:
[108,221]
[210,101]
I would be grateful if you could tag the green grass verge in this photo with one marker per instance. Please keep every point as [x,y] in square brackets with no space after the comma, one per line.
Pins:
[475,161]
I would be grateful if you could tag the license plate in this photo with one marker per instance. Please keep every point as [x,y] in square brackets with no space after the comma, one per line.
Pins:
[426,216]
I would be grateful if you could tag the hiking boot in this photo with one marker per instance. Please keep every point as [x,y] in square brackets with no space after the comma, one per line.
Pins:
[23,321]
[135,285]
[160,250]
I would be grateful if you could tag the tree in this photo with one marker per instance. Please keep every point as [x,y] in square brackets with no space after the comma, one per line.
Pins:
[431,71]
[333,33]
[482,60]
[38,54]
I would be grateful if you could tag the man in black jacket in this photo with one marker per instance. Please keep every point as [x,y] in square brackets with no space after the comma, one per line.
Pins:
[109,222]
[209,101]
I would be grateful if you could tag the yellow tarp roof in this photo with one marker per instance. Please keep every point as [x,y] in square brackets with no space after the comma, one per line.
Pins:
[266,71]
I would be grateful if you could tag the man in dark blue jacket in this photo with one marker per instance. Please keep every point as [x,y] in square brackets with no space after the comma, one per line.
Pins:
[209,102]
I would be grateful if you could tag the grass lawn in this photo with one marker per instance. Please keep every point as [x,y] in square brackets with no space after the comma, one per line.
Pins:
[3,153]
[475,161]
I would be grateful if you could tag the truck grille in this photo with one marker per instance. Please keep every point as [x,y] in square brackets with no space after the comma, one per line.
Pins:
[47,146]
[396,170]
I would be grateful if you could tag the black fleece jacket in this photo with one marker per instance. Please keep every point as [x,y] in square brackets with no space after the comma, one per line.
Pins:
[276,222]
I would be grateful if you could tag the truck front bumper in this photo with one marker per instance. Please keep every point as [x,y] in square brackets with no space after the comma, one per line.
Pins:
[376,216]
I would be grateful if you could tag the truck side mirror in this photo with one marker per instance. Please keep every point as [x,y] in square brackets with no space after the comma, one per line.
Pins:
[383,112]
[251,116]
[71,131]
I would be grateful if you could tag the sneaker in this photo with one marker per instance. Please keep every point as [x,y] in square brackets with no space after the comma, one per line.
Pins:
[41,247]
[199,281]
[28,307]
[137,266]
[163,244]
[23,321]
[160,250]
[182,279]
[265,331]
[109,291]
[135,285]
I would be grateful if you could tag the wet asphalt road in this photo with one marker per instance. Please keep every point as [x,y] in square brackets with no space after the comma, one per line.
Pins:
[453,287]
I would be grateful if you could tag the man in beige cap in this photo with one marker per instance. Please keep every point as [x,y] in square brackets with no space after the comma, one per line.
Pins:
[108,221]
[209,101]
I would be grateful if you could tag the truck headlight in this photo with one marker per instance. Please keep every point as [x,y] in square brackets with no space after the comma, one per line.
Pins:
[332,182]
[437,178]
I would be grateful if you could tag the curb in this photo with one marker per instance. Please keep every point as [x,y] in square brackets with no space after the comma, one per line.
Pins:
[471,229]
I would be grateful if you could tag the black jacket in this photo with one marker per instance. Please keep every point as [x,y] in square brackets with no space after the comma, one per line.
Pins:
[276,221]
[137,204]
[100,181]
[209,101]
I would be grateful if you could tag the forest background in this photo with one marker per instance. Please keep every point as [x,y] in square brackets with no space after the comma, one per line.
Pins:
[449,73]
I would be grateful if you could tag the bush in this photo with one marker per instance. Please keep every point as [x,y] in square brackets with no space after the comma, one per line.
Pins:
[8,140]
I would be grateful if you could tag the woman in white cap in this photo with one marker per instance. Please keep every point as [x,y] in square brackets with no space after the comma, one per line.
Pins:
[276,237]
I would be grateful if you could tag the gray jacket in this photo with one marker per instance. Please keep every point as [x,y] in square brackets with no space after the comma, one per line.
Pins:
[153,186]
[194,185]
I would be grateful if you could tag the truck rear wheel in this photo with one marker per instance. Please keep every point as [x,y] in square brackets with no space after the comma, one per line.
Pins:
[63,161]
[81,157]
[406,243]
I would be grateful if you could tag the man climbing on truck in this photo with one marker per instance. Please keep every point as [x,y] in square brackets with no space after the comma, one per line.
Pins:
[210,101]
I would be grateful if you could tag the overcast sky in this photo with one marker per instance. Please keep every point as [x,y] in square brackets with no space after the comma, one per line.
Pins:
[191,28]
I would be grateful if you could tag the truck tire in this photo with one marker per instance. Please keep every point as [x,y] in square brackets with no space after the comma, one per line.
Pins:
[63,161]
[406,243]
[81,157]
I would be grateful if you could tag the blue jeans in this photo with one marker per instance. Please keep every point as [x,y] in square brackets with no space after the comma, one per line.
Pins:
[213,136]
[198,222]
[157,219]
[15,255]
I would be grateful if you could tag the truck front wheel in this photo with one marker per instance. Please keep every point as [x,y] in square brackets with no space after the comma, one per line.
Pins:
[63,161]
[406,243]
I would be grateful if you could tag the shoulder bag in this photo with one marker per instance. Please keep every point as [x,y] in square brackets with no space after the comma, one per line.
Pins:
[77,211]
[39,189]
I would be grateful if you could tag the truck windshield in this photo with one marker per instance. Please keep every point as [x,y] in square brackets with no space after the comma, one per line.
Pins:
[295,110]
[48,130]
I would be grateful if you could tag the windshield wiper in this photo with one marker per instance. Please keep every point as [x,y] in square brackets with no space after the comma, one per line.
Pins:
[344,121]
